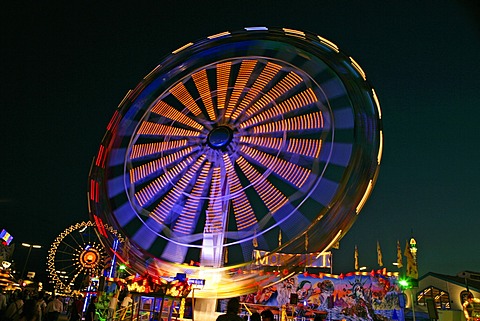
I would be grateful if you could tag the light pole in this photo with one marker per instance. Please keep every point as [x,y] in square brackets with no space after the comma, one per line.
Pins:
[30,246]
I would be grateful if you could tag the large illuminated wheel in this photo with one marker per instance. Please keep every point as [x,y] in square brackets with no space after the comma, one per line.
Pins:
[77,254]
[252,137]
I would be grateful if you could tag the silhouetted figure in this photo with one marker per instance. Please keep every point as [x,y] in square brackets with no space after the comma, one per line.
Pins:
[233,307]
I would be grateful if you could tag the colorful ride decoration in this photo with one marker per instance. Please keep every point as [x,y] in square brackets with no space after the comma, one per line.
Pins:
[79,254]
[158,286]
[358,295]
[264,138]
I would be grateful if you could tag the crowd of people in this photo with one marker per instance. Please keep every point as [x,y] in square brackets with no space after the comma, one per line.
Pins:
[39,306]
[29,306]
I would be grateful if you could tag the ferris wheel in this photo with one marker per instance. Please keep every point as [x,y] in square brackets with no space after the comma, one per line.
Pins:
[242,140]
[78,254]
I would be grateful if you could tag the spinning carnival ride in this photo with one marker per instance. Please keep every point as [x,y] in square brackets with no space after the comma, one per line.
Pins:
[259,139]
[79,254]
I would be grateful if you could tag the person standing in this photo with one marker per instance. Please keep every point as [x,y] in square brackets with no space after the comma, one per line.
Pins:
[112,306]
[30,311]
[91,309]
[76,308]
[233,307]
[54,308]
[125,306]
[15,307]
[41,306]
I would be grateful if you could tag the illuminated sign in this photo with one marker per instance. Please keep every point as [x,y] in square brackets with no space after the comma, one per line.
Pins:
[318,260]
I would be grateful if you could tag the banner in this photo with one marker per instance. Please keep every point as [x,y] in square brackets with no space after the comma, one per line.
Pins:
[316,260]
[358,296]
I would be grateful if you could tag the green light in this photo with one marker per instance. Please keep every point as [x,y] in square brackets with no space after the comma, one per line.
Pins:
[403,283]
[122,267]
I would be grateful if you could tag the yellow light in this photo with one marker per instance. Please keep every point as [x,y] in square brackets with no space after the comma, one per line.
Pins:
[329,44]
[365,197]
[218,35]
[293,32]
[358,68]
[182,48]
[380,148]
[329,246]
[377,103]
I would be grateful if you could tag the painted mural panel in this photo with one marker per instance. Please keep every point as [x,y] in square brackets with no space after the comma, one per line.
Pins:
[354,296]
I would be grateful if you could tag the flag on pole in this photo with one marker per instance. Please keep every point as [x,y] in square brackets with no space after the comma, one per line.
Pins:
[399,255]
[412,270]
[379,255]
[356,258]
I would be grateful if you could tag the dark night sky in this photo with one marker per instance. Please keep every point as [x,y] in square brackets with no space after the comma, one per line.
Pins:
[65,68]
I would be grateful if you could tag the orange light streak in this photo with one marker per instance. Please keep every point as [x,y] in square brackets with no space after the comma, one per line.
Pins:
[307,147]
[380,148]
[142,150]
[246,69]
[186,222]
[267,74]
[293,32]
[303,122]
[161,211]
[297,175]
[270,195]
[149,191]
[182,94]
[147,169]
[268,142]
[164,109]
[214,216]
[201,82]
[244,214]
[298,101]
[283,86]
[223,75]
[149,128]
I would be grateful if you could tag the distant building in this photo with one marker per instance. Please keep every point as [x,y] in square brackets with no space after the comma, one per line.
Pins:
[447,292]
